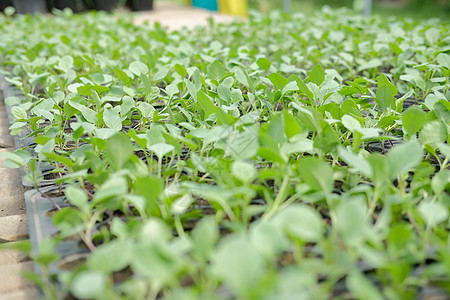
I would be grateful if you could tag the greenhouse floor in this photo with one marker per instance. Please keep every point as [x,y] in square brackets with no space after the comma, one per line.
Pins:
[13,219]
[13,223]
[176,16]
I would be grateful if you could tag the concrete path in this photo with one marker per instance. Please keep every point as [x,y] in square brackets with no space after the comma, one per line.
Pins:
[13,223]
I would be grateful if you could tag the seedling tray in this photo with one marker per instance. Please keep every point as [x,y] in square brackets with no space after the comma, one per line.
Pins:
[39,211]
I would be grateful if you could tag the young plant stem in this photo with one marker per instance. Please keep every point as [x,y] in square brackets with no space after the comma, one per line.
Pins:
[49,198]
[179,226]
[374,201]
[87,239]
[281,196]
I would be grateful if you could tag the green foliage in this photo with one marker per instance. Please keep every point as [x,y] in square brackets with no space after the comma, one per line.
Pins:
[290,156]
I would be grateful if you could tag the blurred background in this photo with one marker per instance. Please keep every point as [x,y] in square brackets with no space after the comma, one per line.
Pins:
[401,8]
[420,9]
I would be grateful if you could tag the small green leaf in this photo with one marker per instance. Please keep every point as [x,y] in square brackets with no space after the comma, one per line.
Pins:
[413,119]
[361,287]
[19,113]
[236,96]
[443,59]
[114,186]
[264,63]
[147,110]
[138,68]
[317,173]
[88,284]
[384,97]
[278,80]
[77,196]
[244,171]
[404,157]
[66,63]
[181,204]
[241,76]
[291,86]
[432,35]
[205,235]
[433,213]
[12,100]
[123,76]
[181,70]
[433,133]
[119,150]
[304,88]
[216,70]
[356,162]
[300,221]
[351,123]
[112,119]
[224,92]
[171,90]
[205,103]
[351,221]
[16,159]
[383,80]
[440,181]
[112,256]
[317,75]
[238,264]
[161,149]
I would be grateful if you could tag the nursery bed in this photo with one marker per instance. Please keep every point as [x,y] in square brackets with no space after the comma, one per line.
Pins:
[233,162]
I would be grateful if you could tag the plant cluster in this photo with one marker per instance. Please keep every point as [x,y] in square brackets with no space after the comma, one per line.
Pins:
[286,157]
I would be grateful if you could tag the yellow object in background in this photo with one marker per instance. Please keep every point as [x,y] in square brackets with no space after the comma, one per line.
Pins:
[234,7]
